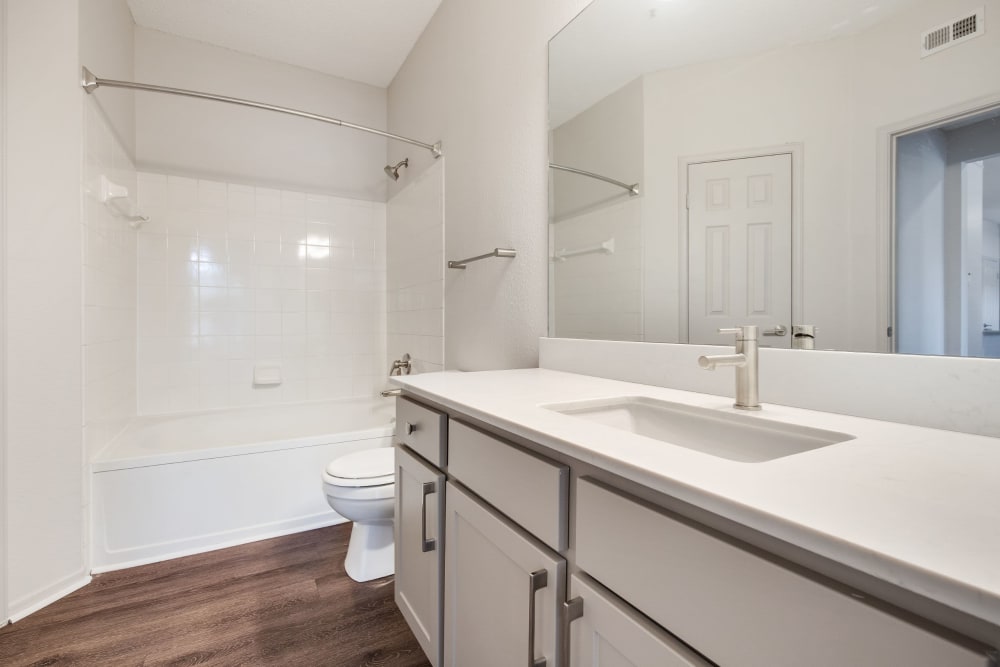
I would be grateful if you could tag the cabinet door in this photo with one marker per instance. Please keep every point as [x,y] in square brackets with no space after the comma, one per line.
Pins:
[419,549]
[606,632]
[503,590]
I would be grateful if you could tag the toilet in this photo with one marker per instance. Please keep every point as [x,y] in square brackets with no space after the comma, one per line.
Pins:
[361,487]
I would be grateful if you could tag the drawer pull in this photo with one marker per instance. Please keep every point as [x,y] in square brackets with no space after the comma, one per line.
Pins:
[409,428]
[572,610]
[426,544]
[537,580]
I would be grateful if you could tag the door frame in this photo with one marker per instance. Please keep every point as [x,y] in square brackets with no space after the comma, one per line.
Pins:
[885,164]
[797,152]
[4,616]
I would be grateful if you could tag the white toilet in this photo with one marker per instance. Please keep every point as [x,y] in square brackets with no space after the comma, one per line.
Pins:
[361,487]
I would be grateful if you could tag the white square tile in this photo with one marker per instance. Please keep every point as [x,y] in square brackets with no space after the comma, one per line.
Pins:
[241,200]
[267,347]
[293,205]
[212,196]
[182,193]
[268,203]
[212,274]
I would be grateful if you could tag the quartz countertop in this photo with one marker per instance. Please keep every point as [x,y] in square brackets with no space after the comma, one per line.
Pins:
[914,506]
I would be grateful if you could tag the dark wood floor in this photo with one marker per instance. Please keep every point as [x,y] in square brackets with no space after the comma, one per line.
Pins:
[285,601]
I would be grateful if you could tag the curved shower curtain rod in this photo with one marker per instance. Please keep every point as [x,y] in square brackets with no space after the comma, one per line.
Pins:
[90,83]
[633,188]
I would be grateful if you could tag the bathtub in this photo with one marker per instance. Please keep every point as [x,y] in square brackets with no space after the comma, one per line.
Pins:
[175,485]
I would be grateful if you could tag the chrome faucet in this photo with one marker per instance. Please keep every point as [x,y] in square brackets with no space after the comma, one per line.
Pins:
[745,362]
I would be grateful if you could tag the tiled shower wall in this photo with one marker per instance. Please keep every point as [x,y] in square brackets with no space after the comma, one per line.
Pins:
[109,274]
[233,277]
[416,271]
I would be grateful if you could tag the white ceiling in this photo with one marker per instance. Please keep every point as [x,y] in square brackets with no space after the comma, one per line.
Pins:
[614,41]
[362,40]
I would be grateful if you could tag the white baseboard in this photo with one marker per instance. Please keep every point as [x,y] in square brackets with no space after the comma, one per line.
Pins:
[25,607]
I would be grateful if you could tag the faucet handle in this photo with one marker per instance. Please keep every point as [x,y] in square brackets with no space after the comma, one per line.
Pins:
[745,332]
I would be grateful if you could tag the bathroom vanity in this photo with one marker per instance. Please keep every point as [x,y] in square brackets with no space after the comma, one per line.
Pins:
[542,519]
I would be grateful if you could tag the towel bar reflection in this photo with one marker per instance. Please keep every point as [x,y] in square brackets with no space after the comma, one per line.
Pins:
[496,252]
[604,248]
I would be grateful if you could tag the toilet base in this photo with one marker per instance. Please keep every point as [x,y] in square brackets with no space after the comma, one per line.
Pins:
[370,553]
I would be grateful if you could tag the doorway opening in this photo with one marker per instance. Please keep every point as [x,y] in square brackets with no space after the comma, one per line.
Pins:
[946,230]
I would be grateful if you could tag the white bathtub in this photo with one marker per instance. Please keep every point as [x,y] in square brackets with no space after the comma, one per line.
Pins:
[175,485]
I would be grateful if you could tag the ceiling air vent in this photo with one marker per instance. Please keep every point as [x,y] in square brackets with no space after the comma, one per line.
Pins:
[953,32]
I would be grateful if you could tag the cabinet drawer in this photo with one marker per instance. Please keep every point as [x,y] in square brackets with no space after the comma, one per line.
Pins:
[529,489]
[609,632]
[422,429]
[738,607]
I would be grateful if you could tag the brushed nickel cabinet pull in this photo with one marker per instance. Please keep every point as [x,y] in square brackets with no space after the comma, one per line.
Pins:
[538,580]
[426,544]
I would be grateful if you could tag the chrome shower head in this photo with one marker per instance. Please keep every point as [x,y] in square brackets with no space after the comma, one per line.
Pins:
[393,171]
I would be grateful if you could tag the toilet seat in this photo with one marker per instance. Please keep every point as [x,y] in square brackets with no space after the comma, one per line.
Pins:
[368,468]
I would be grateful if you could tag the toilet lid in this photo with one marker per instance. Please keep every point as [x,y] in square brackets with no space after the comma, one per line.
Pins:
[370,467]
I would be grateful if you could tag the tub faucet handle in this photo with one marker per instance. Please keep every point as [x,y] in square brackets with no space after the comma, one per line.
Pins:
[401,366]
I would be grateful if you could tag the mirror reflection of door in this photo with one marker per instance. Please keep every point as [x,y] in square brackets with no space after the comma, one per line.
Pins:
[947,229]
[740,248]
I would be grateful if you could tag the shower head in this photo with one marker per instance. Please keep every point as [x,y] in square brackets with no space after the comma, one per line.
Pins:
[393,171]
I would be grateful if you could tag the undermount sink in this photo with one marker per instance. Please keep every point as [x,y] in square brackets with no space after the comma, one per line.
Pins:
[724,434]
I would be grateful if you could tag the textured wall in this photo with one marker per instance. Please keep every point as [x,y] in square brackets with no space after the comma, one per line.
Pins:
[44,384]
[178,135]
[477,81]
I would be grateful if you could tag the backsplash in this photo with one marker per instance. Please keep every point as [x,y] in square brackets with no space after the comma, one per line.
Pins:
[232,276]
[950,393]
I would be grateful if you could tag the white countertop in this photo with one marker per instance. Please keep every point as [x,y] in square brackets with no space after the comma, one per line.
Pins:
[913,506]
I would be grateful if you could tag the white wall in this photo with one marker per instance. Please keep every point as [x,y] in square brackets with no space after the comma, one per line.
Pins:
[795,95]
[415,271]
[607,139]
[3,316]
[44,400]
[599,295]
[476,80]
[199,138]
[233,276]
[107,49]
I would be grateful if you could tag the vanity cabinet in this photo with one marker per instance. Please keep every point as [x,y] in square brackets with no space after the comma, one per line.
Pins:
[419,549]
[503,590]
[510,529]
[741,606]
[604,632]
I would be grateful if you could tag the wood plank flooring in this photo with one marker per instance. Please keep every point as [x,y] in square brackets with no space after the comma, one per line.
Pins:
[285,601]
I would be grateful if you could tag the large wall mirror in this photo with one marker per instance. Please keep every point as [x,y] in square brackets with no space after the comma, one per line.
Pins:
[828,170]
